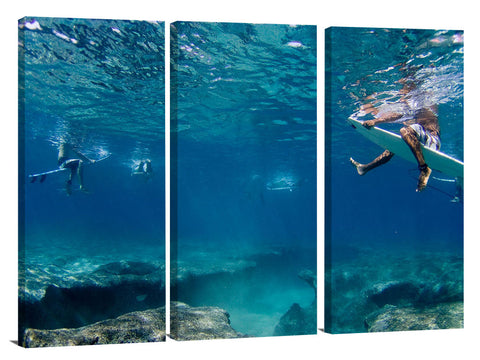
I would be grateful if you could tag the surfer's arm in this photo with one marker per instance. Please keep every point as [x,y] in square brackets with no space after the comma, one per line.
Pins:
[385,118]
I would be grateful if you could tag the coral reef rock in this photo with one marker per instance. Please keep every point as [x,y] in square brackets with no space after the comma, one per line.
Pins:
[135,327]
[187,323]
[72,299]
[392,318]
[298,320]
[200,323]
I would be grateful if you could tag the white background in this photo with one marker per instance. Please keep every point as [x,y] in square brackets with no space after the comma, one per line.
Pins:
[440,344]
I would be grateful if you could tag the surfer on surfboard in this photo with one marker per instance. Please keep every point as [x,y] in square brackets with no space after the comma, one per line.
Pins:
[144,169]
[71,159]
[420,127]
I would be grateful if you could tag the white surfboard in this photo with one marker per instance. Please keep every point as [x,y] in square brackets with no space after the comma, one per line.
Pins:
[42,176]
[436,160]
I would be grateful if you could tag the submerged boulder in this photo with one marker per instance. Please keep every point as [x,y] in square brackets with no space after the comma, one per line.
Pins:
[135,327]
[392,318]
[298,320]
[187,323]
[200,323]
[51,297]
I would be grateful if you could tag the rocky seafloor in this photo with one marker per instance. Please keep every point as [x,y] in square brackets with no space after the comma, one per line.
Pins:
[263,290]
[141,326]
[69,300]
[60,290]
[383,291]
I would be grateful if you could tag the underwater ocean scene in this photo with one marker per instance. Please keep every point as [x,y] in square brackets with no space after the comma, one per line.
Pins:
[91,229]
[243,163]
[394,256]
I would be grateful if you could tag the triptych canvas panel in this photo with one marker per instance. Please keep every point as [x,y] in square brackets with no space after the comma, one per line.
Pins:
[92,199]
[243,184]
[394,180]
[243,230]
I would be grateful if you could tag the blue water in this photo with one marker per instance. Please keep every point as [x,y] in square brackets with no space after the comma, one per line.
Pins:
[244,165]
[99,86]
[378,229]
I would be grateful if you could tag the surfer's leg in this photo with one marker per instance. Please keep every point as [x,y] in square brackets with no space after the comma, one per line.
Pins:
[72,166]
[410,137]
[362,169]
[80,174]
[425,172]
[70,177]
[68,184]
